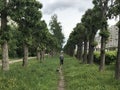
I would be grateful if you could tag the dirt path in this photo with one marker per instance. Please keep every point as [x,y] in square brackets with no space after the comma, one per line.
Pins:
[17,60]
[61,81]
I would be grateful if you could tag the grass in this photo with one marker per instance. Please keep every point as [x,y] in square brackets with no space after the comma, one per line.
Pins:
[43,76]
[36,76]
[87,77]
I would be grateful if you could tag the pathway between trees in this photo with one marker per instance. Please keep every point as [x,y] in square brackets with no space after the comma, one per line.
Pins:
[17,60]
[61,80]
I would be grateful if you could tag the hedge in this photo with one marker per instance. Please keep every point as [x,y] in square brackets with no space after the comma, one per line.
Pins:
[110,57]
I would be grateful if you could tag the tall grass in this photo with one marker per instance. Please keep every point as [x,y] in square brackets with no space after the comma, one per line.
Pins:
[36,76]
[87,77]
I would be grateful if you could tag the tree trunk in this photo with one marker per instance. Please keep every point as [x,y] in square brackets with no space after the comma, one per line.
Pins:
[38,55]
[102,54]
[42,54]
[91,49]
[117,69]
[85,52]
[25,58]
[104,6]
[72,51]
[79,50]
[5,60]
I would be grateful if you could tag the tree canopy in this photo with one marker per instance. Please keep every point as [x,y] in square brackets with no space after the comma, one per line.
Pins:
[56,30]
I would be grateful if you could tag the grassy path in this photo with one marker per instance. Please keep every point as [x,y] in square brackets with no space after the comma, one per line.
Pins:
[61,81]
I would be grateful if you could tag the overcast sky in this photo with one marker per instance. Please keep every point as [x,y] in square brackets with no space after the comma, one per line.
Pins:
[69,12]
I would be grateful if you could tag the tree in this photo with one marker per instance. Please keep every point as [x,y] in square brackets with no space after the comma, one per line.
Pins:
[4,34]
[75,38]
[85,47]
[85,38]
[78,39]
[51,44]
[26,20]
[21,11]
[40,39]
[114,11]
[103,7]
[14,41]
[91,19]
[69,48]
[71,43]
[56,30]
[117,71]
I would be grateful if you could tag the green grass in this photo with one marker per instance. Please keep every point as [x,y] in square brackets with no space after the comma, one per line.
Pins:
[43,76]
[87,77]
[36,76]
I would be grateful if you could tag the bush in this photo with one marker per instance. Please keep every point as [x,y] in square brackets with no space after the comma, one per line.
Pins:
[97,57]
[110,57]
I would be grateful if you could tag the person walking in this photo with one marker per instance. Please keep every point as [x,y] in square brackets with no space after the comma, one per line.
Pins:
[61,58]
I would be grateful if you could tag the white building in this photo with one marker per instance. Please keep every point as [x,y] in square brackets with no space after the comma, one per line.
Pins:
[112,42]
[113,38]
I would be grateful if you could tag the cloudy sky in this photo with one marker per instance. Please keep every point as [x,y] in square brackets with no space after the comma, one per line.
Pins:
[69,12]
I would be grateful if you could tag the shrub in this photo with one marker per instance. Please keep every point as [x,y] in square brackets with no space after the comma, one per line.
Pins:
[97,57]
[110,57]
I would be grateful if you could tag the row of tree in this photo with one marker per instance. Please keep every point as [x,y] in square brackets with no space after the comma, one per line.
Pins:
[24,31]
[93,20]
